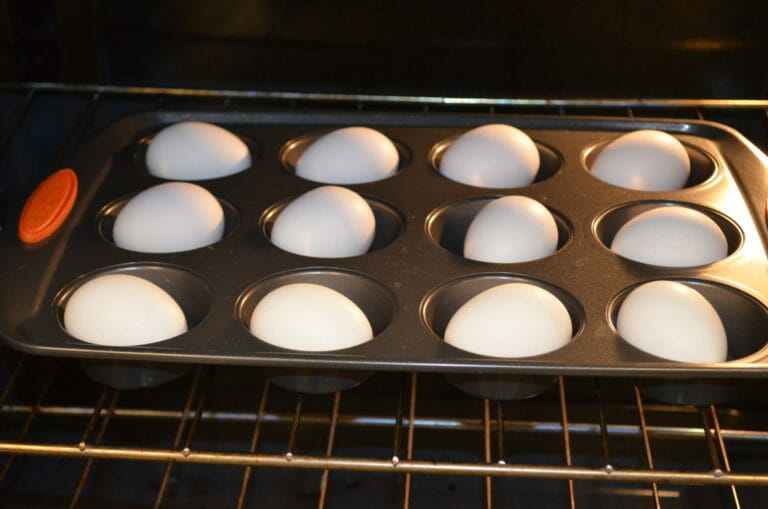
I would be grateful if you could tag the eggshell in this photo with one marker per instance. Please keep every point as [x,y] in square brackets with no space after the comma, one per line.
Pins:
[671,236]
[310,318]
[122,310]
[644,160]
[510,320]
[672,321]
[352,155]
[511,229]
[326,222]
[167,218]
[494,155]
[196,151]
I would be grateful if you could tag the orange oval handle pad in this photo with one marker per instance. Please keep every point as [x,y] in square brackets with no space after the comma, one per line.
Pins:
[48,206]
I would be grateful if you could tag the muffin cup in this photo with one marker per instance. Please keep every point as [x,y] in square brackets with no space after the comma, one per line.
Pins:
[501,387]
[550,160]
[447,226]
[132,374]
[315,381]
[443,302]
[389,222]
[744,319]
[703,167]
[105,221]
[609,223]
[690,391]
[374,299]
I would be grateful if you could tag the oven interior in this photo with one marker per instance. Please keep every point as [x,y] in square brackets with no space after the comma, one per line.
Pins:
[224,437]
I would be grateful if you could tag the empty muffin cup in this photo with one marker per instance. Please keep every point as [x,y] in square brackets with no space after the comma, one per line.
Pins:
[743,319]
[180,288]
[447,225]
[350,302]
[442,303]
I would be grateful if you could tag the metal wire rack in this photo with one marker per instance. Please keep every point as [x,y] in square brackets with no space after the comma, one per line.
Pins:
[224,437]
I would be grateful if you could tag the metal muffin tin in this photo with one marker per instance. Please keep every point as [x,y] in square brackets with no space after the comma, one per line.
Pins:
[413,279]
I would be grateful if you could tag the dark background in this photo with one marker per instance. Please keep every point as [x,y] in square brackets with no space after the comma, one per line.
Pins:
[537,48]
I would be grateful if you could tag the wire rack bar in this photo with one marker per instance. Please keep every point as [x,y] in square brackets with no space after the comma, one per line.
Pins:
[253,445]
[398,421]
[487,451]
[329,449]
[469,424]
[11,382]
[604,442]
[647,445]
[95,416]
[566,438]
[723,452]
[179,435]
[76,134]
[99,437]
[11,126]
[31,417]
[409,441]
[500,433]
[391,99]
[195,417]
[709,438]
[294,427]
[385,465]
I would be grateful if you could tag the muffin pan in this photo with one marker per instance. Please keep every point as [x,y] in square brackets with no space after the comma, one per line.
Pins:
[414,275]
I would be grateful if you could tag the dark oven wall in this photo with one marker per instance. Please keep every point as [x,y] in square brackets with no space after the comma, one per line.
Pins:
[604,48]
[223,436]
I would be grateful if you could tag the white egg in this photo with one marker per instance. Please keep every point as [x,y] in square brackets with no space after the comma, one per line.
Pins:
[326,222]
[310,318]
[511,229]
[196,151]
[167,218]
[494,155]
[352,155]
[645,160]
[510,320]
[673,321]
[122,310]
[671,236]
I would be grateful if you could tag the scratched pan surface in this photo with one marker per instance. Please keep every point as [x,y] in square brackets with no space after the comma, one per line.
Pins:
[413,279]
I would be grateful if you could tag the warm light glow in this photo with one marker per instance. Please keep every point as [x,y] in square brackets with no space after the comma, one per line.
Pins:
[708,44]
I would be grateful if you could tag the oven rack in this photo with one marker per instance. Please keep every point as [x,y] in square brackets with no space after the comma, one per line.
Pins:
[33,409]
[491,433]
